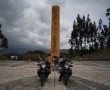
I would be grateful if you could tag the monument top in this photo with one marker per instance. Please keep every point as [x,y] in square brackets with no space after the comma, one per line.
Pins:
[55,6]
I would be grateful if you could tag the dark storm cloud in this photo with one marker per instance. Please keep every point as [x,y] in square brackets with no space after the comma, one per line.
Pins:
[11,10]
[45,16]
[22,24]
[27,23]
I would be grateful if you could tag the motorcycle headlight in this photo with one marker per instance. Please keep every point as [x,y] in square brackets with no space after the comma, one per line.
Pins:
[43,66]
[66,66]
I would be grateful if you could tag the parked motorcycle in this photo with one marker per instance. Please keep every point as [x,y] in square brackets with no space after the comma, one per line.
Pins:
[66,73]
[42,73]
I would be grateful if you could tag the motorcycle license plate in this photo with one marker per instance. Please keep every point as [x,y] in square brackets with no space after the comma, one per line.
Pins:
[66,71]
[43,71]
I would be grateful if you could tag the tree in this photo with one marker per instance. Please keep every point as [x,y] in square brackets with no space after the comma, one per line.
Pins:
[3,41]
[83,34]
[71,52]
[108,15]
[101,38]
[33,55]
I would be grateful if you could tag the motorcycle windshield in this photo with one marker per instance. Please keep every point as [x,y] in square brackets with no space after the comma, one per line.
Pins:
[66,63]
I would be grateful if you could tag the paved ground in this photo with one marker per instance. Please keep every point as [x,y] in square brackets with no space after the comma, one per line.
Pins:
[22,75]
[97,71]
[15,70]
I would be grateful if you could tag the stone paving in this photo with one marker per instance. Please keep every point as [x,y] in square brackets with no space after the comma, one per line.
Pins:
[22,75]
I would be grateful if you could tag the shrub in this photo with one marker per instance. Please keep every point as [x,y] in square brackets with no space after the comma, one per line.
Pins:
[3,57]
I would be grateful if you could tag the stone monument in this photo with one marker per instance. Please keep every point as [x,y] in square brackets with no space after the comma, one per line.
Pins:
[55,32]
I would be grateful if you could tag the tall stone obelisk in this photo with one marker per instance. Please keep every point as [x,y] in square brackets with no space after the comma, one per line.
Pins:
[55,32]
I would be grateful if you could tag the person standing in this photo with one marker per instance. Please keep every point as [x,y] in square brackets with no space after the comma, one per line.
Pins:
[55,62]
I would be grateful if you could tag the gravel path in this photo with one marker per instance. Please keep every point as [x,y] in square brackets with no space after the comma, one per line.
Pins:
[29,83]
[22,75]
[8,73]
[93,71]
[77,83]
[53,83]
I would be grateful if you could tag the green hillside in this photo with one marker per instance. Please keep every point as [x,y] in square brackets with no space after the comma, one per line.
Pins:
[96,56]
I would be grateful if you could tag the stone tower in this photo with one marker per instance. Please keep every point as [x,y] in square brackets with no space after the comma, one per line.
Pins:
[55,32]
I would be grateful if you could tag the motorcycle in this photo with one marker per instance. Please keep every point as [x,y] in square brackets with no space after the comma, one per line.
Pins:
[66,73]
[42,70]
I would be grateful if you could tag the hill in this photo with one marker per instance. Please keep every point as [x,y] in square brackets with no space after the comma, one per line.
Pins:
[101,55]
[64,50]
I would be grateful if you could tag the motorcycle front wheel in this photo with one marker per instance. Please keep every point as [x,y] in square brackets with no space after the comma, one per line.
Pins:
[42,80]
[66,78]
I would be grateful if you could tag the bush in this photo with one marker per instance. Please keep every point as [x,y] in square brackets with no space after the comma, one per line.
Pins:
[33,57]
[3,57]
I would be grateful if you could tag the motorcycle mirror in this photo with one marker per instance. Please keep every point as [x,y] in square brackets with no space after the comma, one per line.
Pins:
[71,65]
[38,64]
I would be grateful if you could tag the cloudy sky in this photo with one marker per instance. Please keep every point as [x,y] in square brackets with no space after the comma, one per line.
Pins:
[27,23]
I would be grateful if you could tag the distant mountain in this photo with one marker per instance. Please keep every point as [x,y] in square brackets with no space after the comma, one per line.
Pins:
[21,50]
[64,50]
[24,50]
